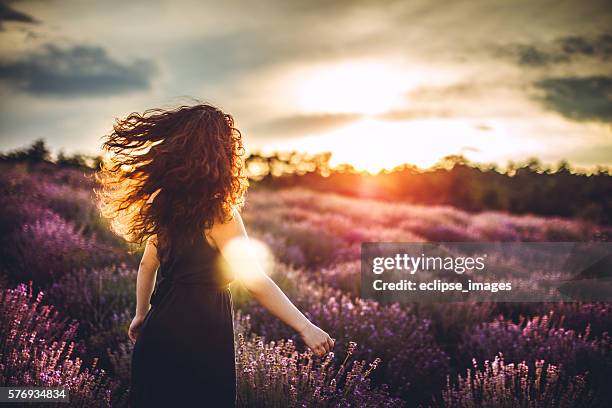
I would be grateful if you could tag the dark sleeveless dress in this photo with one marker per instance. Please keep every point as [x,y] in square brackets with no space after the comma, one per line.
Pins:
[184,353]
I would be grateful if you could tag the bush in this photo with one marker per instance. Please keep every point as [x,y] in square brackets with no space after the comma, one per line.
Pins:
[101,300]
[76,205]
[412,362]
[48,247]
[275,374]
[501,385]
[37,351]
[537,338]
[49,225]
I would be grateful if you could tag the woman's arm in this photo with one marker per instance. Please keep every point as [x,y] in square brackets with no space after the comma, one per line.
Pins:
[145,282]
[232,240]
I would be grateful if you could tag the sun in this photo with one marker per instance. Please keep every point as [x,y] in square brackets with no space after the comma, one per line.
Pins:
[372,144]
[373,141]
[364,87]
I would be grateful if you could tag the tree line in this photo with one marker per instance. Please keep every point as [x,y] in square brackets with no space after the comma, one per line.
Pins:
[528,187]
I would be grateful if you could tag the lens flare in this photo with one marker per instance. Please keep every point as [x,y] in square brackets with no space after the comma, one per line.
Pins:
[246,258]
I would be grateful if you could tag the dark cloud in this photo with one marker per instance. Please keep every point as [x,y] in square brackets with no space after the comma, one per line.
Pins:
[579,98]
[7,13]
[75,71]
[532,56]
[300,125]
[562,50]
[600,46]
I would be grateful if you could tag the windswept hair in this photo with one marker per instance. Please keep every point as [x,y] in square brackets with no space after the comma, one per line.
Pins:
[171,173]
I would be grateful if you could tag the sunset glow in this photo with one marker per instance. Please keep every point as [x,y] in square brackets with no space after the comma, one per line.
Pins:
[371,144]
[376,115]
[365,87]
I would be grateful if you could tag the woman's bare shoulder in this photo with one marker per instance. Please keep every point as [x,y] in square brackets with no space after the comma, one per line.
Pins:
[152,240]
[223,230]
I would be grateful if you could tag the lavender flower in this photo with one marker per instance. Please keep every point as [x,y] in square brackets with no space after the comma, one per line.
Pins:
[37,351]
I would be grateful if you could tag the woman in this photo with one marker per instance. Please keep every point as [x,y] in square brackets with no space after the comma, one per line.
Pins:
[175,180]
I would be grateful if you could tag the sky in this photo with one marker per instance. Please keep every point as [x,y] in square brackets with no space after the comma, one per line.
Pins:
[377,83]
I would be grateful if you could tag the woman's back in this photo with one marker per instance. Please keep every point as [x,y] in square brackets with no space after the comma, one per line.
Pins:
[200,264]
[186,341]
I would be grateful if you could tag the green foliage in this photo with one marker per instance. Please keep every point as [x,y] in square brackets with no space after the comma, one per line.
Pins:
[527,188]
[530,187]
[38,152]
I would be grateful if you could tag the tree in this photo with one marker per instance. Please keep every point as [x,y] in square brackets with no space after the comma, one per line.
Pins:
[36,153]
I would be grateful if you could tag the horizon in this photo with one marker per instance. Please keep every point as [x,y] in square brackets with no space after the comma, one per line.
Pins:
[441,163]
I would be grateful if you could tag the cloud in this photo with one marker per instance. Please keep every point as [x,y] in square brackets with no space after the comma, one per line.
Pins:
[7,13]
[579,98]
[587,154]
[420,113]
[562,50]
[75,71]
[529,55]
[443,101]
[299,125]
[598,47]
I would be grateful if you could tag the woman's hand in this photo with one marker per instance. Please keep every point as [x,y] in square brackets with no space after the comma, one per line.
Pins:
[316,339]
[135,327]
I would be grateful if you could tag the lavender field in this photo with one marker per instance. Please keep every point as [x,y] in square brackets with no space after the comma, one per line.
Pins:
[68,293]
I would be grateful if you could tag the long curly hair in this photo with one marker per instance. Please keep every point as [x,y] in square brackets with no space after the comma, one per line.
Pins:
[171,173]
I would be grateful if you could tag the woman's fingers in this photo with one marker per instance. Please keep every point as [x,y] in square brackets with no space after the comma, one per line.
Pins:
[134,329]
[317,340]
[132,334]
[322,349]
